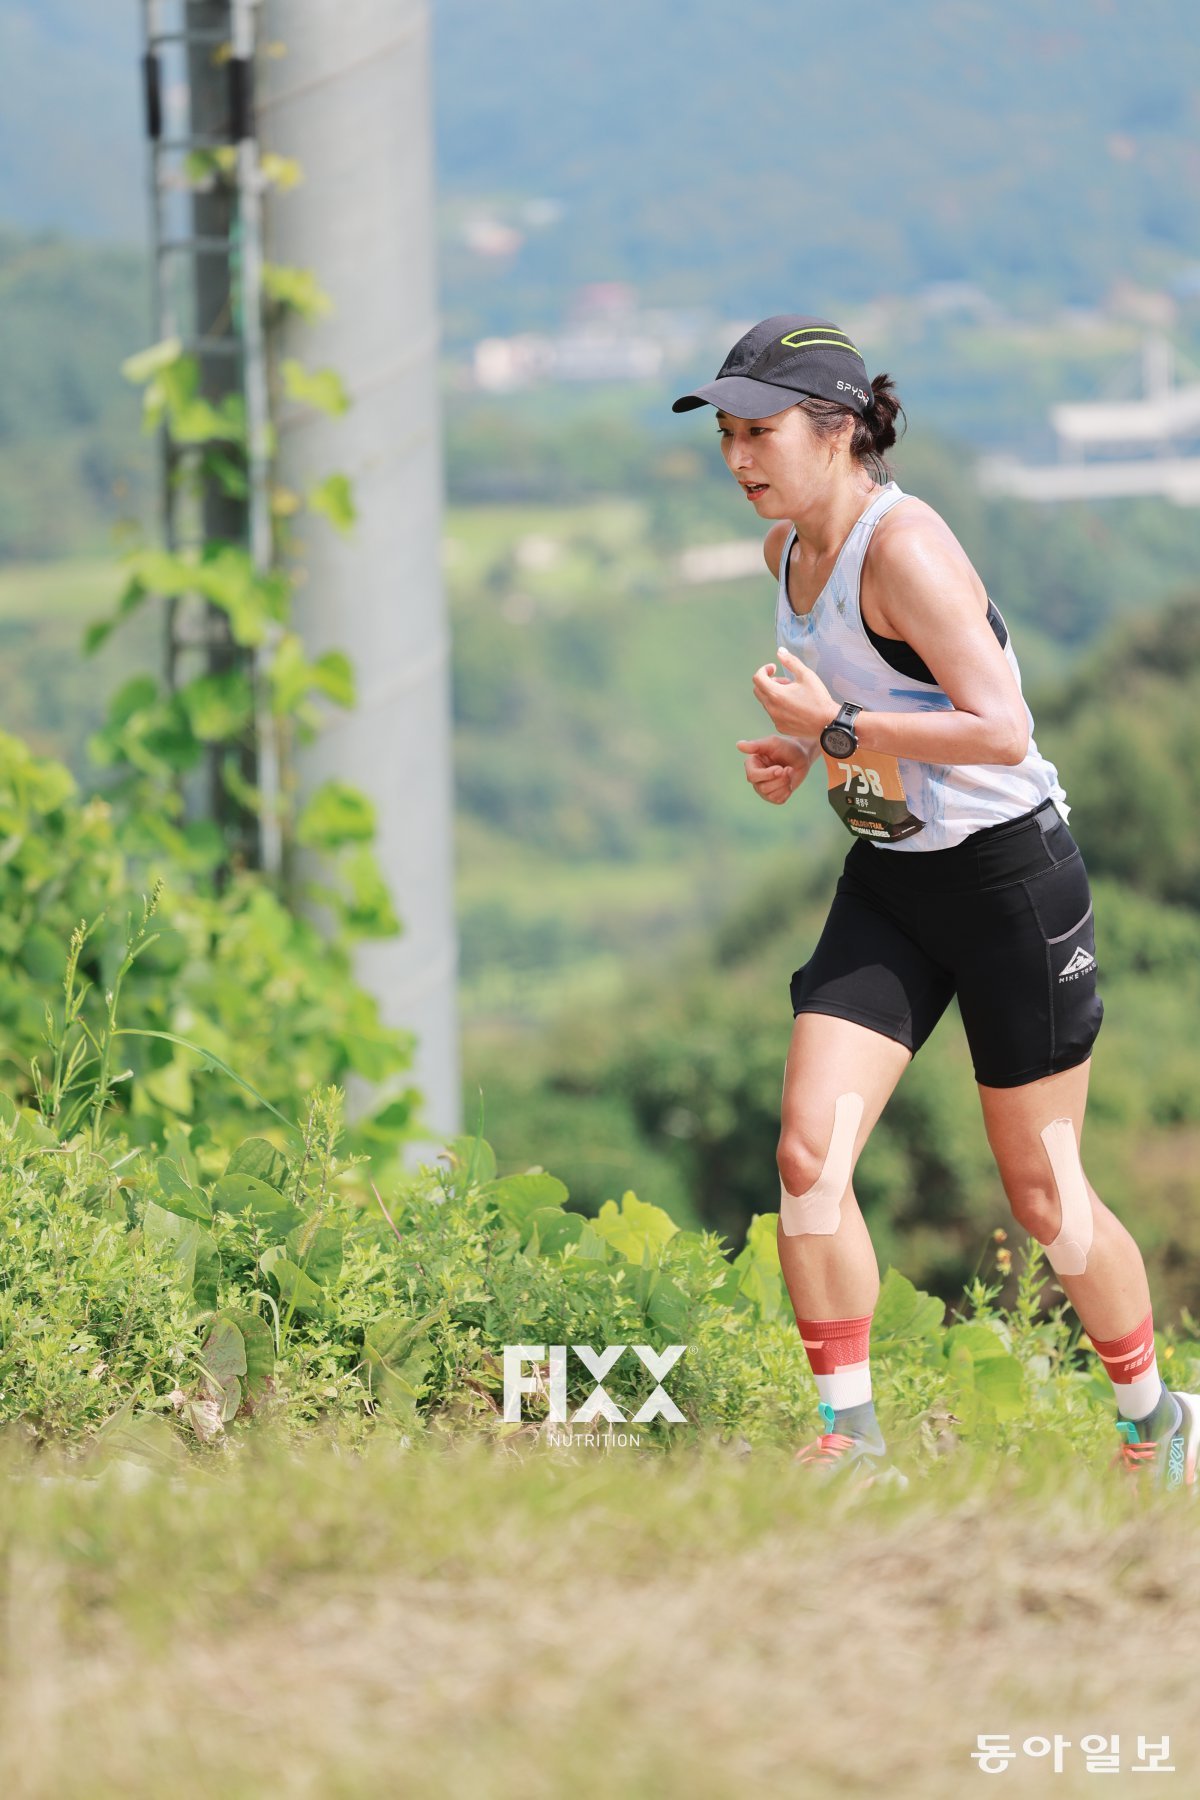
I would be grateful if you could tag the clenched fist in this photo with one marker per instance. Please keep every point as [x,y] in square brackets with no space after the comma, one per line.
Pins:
[801,706]
[775,766]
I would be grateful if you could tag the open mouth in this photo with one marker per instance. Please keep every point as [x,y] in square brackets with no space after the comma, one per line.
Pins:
[753,489]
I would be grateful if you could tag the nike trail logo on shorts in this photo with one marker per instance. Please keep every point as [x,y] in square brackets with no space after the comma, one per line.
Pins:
[1081,960]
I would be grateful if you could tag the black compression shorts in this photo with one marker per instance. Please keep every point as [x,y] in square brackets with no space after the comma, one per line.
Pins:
[1003,920]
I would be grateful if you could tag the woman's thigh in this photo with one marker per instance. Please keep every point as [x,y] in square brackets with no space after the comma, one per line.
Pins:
[829,1059]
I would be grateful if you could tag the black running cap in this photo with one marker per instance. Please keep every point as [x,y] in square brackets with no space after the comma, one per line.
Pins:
[779,362]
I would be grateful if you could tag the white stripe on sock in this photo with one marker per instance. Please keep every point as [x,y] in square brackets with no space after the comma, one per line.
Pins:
[848,1386]
[1137,1399]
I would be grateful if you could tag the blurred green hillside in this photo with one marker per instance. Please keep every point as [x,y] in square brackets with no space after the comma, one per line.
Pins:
[719,158]
[72,460]
[736,158]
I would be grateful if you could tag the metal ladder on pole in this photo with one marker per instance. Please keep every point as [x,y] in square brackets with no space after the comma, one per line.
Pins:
[206,238]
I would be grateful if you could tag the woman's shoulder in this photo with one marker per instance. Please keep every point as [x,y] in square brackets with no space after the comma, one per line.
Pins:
[911,546]
[911,529]
[773,544]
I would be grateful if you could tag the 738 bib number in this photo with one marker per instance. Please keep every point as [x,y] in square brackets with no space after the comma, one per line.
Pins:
[868,796]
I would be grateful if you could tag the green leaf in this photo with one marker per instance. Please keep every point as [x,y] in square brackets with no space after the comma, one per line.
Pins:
[318,1253]
[133,596]
[368,912]
[283,172]
[259,1347]
[980,1342]
[333,498]
[320,388]
[590,1246]
[223,1358]
[635,1228]
[475,1157]
[556,1228]
[206,1272]
[755,1276]
[297,289]
[399,1358]
[669,1308]
[1001,1381]
[296,1289]
[170,1085]
[218,707]
[292,677]
[903,1312]
[519,1198]
[194,1251]
[177,1193]
[230,475]
[336,814]
[31,1128]
[243,1195]
[131,697]
[144,363]
[258,1156]
[333,675]
[212,1057]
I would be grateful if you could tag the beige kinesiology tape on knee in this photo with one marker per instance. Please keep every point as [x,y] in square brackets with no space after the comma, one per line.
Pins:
[820,1209]
[1067,1255]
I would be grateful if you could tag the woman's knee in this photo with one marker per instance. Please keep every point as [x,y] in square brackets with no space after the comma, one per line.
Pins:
[800,1162]
[1037,1206]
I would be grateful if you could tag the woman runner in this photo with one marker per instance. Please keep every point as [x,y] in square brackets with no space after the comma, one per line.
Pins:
[896,677]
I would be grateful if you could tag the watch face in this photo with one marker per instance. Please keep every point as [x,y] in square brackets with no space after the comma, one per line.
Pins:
[837,740]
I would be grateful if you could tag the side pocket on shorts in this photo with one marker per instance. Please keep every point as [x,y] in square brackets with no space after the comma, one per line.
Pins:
[1063,903]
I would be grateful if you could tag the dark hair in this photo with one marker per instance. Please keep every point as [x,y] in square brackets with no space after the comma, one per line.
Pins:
[874,431]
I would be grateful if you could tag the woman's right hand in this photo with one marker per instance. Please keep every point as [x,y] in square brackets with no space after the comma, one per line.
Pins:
[775,766]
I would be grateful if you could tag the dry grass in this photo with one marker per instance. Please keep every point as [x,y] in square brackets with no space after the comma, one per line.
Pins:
[465,1624]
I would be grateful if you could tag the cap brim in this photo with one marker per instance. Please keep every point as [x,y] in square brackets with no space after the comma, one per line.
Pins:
[740,397]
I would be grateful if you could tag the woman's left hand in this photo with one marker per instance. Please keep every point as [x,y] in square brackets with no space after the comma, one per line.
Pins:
[801,707]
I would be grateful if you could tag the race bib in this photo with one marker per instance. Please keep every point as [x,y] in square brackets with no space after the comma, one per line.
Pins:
[868,796]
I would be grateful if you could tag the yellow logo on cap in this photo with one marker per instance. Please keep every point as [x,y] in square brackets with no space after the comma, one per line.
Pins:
[807,340]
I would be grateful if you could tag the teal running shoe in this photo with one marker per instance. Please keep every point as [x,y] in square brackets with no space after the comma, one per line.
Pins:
[860,1461]
[1171,1457]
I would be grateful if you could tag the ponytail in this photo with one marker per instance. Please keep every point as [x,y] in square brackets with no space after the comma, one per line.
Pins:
[874,431]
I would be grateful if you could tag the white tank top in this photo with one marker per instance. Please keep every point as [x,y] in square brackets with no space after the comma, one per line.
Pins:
[953,799]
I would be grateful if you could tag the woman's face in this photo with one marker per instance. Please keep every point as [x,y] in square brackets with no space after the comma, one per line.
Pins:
[780,463]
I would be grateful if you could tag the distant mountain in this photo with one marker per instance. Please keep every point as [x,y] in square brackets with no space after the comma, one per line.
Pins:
[769,155]
[72,454]
[777,155]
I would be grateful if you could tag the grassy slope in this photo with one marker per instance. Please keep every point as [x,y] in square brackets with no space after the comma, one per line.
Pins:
[703,1626]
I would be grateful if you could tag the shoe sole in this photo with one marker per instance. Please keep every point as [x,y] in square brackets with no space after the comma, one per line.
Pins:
[1190,1407]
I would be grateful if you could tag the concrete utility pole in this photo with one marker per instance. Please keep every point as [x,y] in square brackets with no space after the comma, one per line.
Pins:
[350,99]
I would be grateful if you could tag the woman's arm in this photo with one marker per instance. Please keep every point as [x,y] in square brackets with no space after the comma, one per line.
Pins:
[932,598]
[925,587]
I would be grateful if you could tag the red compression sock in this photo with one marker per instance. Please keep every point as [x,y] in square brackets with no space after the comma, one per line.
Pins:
[839,1352]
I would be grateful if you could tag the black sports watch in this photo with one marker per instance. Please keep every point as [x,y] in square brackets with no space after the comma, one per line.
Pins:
[839,737]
